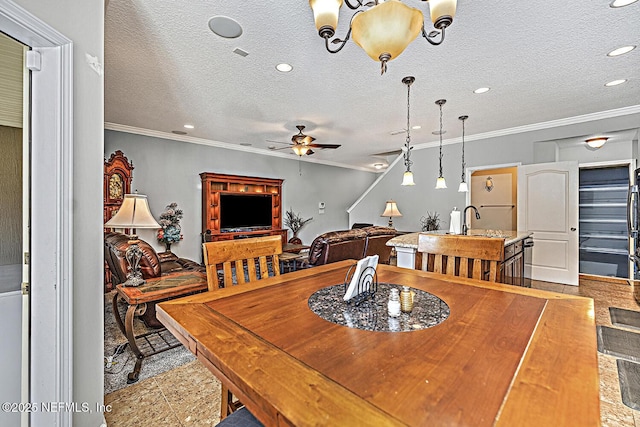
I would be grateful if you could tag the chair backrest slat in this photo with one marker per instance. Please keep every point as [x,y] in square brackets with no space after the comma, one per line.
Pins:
[245,260]
[477,257]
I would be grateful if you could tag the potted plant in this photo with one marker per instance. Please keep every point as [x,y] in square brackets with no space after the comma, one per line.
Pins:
[295,223]
[171,230]
[430,222]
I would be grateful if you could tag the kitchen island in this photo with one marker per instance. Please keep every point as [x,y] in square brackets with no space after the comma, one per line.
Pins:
[512,267]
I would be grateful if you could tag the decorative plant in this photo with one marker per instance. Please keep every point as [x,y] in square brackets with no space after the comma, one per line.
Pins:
[170,222]
[430,222]
[295,222]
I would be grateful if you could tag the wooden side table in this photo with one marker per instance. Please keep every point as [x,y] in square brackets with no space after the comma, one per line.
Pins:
[169,286]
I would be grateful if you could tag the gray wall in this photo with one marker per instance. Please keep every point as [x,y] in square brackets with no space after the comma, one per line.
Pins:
[168,171]
[523,148]
[82,21]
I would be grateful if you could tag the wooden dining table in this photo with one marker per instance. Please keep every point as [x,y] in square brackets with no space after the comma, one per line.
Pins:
[504,355]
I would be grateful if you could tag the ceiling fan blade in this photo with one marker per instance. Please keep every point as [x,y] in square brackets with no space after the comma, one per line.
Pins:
[309,152]
[324,145]
[277,142]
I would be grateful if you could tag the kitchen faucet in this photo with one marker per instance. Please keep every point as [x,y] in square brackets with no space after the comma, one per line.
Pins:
[464,218]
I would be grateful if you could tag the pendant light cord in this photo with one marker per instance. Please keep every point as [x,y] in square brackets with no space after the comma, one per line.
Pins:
[408,162]
[440,104]
[463,163]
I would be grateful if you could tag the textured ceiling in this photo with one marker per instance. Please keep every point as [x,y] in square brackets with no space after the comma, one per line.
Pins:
[165,68]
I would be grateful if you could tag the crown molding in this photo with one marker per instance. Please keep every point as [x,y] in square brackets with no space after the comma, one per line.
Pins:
[225,145]
[601,115]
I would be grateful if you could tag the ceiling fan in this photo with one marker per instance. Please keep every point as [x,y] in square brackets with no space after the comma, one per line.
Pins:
[302,144]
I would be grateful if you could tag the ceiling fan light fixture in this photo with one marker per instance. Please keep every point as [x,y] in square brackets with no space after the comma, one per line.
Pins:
[300,149]
[596,142]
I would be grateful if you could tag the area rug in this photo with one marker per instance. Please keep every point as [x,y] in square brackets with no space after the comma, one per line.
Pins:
[120,360]
[625,318]
[619,343]
[629,374]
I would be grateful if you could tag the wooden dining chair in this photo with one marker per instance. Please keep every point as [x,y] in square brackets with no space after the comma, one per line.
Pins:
[476,257]
[234,262]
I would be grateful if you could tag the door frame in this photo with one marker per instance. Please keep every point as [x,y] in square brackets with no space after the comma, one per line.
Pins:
[51,257]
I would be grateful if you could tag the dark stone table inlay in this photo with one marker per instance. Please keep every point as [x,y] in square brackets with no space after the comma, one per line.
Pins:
[371,315]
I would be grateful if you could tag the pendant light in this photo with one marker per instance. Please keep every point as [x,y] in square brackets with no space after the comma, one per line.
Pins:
[440,182]
[463,188]
[407,178]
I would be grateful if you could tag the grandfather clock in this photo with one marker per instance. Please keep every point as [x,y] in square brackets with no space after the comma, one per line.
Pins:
[118,174]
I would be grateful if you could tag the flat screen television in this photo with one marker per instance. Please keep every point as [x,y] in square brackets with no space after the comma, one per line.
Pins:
[245,211]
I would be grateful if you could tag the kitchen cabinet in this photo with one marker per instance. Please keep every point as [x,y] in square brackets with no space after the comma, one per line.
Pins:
[513,264]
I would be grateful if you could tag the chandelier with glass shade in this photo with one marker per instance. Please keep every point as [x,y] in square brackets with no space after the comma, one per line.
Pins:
[385,28]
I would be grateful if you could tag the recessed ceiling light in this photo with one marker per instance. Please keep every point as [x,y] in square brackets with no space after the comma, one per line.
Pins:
[615,83]
[621,3]
[179,132]
[188,126]
[245,144]
[378,165]
[416,127]
[225,27]
[621,51]
[284,68]
[438,132]
[482,90]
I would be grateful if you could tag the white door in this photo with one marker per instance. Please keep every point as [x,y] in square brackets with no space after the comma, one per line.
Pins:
[548,207]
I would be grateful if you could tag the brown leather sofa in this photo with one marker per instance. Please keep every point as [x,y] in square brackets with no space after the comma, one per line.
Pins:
[152,265]
[351,244]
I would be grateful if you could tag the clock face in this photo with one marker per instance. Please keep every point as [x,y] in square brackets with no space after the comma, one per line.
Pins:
[116,186]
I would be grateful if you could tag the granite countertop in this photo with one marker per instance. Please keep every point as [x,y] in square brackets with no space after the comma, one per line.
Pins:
[410,240]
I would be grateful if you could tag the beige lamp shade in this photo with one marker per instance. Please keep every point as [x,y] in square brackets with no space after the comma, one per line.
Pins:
[387,28]
[441,183]
[440,8]
[325,12]
[407,178]
[134,213]
[391,209]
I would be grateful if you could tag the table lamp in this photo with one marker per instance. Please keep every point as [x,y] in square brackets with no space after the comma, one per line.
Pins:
[134,213]
[391,210]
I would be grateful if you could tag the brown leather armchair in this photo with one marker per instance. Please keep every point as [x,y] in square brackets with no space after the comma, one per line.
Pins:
[152,265]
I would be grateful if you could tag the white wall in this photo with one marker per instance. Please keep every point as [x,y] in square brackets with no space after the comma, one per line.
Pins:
[82,21]
[168,171]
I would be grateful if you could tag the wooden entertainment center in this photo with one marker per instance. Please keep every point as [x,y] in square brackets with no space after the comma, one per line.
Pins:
[216,186]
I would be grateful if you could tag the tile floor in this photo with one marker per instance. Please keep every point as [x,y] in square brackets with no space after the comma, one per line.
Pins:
[169,400]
